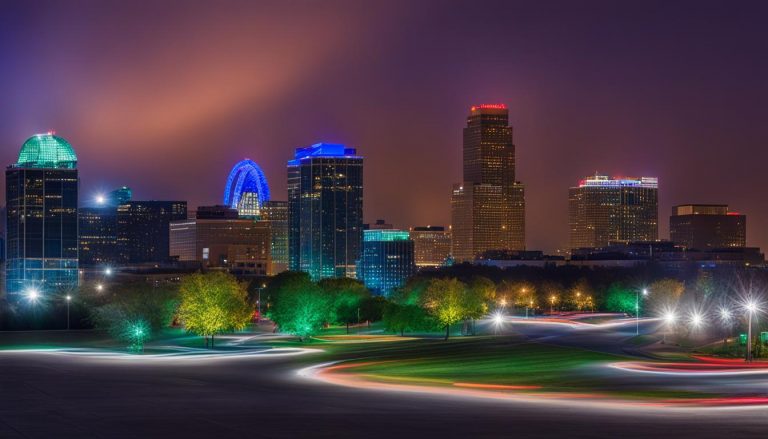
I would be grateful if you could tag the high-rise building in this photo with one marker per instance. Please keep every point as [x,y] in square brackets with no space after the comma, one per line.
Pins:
[431,246]
[143,229]
[707,227]
[325,205]
[41,202]
[2,236]
[488,207]
[276,214]
[219,238]
[603,210]
[387,260]
[98,229]
[98,235]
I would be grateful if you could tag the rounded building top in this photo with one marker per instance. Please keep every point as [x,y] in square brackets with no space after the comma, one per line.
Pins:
[46,151]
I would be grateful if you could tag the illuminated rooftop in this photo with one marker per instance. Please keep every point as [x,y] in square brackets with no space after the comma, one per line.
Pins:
[488,107]
[325,150]
[46,151]
[605,181]
[385,235]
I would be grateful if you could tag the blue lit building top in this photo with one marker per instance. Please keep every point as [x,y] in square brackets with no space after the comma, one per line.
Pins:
[246,180]
[323,150]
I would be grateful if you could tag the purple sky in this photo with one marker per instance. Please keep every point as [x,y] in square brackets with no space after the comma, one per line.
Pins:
[166,96]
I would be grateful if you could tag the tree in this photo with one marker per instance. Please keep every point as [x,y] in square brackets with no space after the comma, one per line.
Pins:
[212,303]
[347,296]
[620,299]
[665,294]
[444,300]
[301,308]
[405,318]
[479,293]
[132,312]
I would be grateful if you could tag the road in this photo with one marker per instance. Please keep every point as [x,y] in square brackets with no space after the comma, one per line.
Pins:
[63,395]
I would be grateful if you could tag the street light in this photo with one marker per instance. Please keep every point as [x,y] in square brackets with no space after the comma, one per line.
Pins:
[99,287]
[669,319]
[258,303]
[725,317]
[551,304]
[69,299]
[637,310]
[33,295]
[108,271]
[751,308]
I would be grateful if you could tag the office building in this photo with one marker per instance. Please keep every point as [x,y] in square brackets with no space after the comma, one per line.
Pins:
[98,236]
[119,196]
[387,260]
[143,230]
[431,246]
[2,236]
[488,207]
[325,205]
[707,227]
[219,238]
[41,201]
[603,210]
[276,214]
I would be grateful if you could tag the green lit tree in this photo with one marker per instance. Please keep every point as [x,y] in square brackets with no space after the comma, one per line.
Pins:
[444,300]
[212,303]
[405,318]
[347,296]
[301,308]
[620,299]
[480,292]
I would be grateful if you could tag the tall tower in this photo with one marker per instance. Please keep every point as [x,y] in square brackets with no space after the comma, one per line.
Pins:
[603,209]
[488,207]
[41,196]
[325,210]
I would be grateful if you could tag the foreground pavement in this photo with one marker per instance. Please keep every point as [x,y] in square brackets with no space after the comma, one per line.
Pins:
[81,394]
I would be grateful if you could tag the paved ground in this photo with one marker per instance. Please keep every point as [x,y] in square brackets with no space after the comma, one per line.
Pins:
[66,395]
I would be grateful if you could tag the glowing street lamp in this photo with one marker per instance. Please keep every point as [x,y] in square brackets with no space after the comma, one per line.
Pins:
[637,310]
[697,320]
[669,320]
[751,308]
[33,295]
[68,299]
[726,318]
[99,287]
[108,271]
[552,303]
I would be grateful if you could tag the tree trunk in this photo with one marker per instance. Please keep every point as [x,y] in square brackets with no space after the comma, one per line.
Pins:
[402,332]
[206,342]
[447,331]
[212,341]
[347,328]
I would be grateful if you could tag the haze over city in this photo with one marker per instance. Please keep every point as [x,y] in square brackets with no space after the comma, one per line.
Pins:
[165,97]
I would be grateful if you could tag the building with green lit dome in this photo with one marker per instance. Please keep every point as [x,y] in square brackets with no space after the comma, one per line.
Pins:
[41,222]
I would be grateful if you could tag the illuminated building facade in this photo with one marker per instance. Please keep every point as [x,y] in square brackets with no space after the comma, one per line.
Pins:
[143,229]
[602,210]
[98,229]
[219,238]
[488,207]
[431,246]
[276,214]
[387,260]
[247,189]
[325,205]
[41,201]
[707,227]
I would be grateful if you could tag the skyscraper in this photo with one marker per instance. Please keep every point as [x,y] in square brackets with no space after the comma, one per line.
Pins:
[431,245]
[325,205]
[276,214]
[41,197]
[143,229]
[247,189]
[488,207]
[386,261]
[603,209]
[98,229]
[707,227]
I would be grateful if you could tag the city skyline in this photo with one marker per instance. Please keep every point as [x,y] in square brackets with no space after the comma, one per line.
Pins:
[636,103]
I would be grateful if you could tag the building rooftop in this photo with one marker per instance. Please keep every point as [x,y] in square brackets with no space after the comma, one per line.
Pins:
[46,151]
[385,235]
[605,181]
[325,150]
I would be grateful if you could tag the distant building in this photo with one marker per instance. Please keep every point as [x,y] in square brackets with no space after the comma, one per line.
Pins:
[325,204]
[119,196]
[276,214]
[603,209]
[41,201]
[707,227]
[666,253]
[2,236]
[218,238]
[98,236]
[387,260]
[431,246]
[143,230]
[488,207]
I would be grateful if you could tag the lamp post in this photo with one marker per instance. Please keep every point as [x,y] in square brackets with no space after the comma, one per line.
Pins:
[751,308]
[637,310]
[69,299]
[551,304]
[258,302]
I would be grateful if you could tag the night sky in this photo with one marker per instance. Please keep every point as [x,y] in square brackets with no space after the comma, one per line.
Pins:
[165,96]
